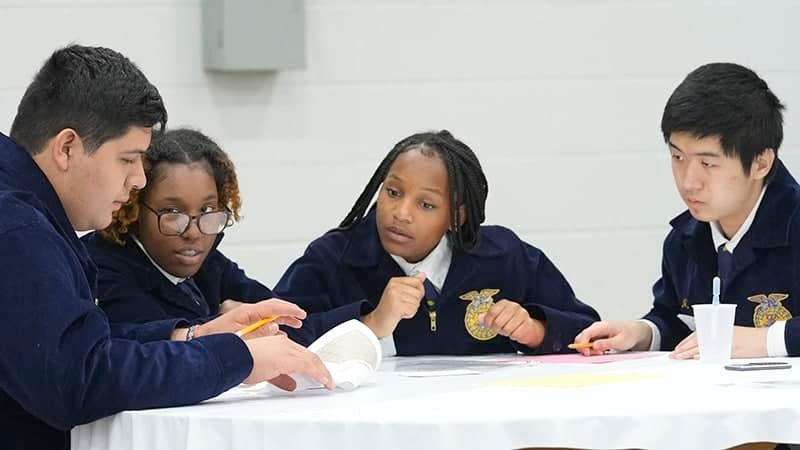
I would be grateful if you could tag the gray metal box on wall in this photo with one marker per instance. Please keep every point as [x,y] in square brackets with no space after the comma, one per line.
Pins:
[251,35]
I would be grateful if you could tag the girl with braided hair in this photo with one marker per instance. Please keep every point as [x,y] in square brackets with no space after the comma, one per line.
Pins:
[158,259]
[423,274]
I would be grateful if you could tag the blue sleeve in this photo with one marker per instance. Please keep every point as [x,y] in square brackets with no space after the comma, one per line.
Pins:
[159,330]
[666,306]
[551,300]
[60,360]
[791,333]
[318,323]
[315,283]
[791,336]
[236,285]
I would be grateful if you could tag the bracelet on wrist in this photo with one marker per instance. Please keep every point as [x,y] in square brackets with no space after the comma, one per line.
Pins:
[190,332]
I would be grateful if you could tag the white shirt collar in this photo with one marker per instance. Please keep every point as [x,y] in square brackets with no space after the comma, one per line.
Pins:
[172,278]
[719,237]
[435,265]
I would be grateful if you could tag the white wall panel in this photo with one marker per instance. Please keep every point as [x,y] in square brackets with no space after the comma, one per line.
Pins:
[561,100]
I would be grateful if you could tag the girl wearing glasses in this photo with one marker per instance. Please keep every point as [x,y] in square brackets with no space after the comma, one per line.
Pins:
[158,259]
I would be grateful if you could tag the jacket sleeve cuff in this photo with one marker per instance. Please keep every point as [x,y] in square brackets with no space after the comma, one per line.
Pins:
[560,329]
[232,356]
[789,337]
[159,330]
[655,341]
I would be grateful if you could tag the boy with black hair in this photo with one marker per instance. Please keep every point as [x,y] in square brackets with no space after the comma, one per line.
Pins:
[723,126]
[74,155]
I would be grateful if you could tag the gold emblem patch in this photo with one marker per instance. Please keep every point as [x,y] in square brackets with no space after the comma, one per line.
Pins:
[685,304]
[480,302]
[769,309]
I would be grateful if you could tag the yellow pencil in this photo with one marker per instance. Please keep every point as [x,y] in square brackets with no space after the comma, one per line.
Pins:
[576,345]
[256,325]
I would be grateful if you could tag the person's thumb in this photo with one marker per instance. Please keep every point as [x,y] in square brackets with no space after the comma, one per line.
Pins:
[284,382]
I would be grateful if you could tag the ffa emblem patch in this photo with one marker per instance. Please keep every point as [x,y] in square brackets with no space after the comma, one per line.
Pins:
[685,304]
[769,309]
[480,302]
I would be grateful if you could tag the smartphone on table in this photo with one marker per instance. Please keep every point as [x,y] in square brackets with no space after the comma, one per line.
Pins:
[765,365]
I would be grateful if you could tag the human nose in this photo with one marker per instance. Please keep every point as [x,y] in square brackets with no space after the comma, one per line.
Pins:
[692,178]
[192,232]
[137,180]
[402,211]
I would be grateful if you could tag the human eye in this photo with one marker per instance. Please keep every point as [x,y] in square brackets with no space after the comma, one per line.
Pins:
[392,192]
[130,158]
[427,205]
[707,164]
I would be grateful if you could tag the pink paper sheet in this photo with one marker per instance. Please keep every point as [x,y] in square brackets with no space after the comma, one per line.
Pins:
[577,358]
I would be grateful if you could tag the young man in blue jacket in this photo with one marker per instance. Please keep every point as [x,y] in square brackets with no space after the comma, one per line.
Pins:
[74,154]
[723,126]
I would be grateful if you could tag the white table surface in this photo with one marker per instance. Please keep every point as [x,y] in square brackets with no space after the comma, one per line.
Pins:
[669,404]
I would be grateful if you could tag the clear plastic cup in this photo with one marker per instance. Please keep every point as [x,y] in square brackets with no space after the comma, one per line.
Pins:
[714,325]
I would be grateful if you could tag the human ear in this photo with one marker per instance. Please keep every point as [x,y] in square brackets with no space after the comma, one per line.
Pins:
[762,164]
[63,148]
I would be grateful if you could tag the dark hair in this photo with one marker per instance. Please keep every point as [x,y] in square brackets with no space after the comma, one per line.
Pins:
[468,186]
[179,146]
[96,91]
[731,102]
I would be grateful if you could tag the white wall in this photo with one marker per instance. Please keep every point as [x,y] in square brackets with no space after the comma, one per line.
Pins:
[561,100]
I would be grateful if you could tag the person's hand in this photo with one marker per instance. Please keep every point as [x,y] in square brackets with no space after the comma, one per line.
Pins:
[249,313]
[276,357]
[512,320]
[622,336]
[228,305]
[687,348]
[748,342]
[400,300]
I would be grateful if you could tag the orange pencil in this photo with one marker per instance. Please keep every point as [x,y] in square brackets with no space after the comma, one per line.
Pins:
[576,345]
[256,325]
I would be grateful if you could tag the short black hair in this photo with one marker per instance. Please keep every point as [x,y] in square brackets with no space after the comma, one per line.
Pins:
[468,186]
[96,91]
[731,102]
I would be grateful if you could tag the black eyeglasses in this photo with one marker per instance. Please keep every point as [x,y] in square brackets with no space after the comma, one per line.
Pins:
[176,223]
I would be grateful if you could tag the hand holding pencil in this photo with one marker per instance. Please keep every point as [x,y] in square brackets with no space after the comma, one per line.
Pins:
[252,320]
[607,335]
[580,345]
[256,325]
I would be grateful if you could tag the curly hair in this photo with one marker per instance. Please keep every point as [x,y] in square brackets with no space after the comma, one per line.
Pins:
[181,146]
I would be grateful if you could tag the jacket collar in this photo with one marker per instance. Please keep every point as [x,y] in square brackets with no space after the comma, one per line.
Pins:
[22,173]
[142,262]
[363,250]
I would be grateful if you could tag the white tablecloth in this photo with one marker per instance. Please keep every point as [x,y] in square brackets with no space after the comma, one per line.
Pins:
[645,403]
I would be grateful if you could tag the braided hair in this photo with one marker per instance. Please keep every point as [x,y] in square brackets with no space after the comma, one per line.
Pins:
[467,184]
[178,146]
